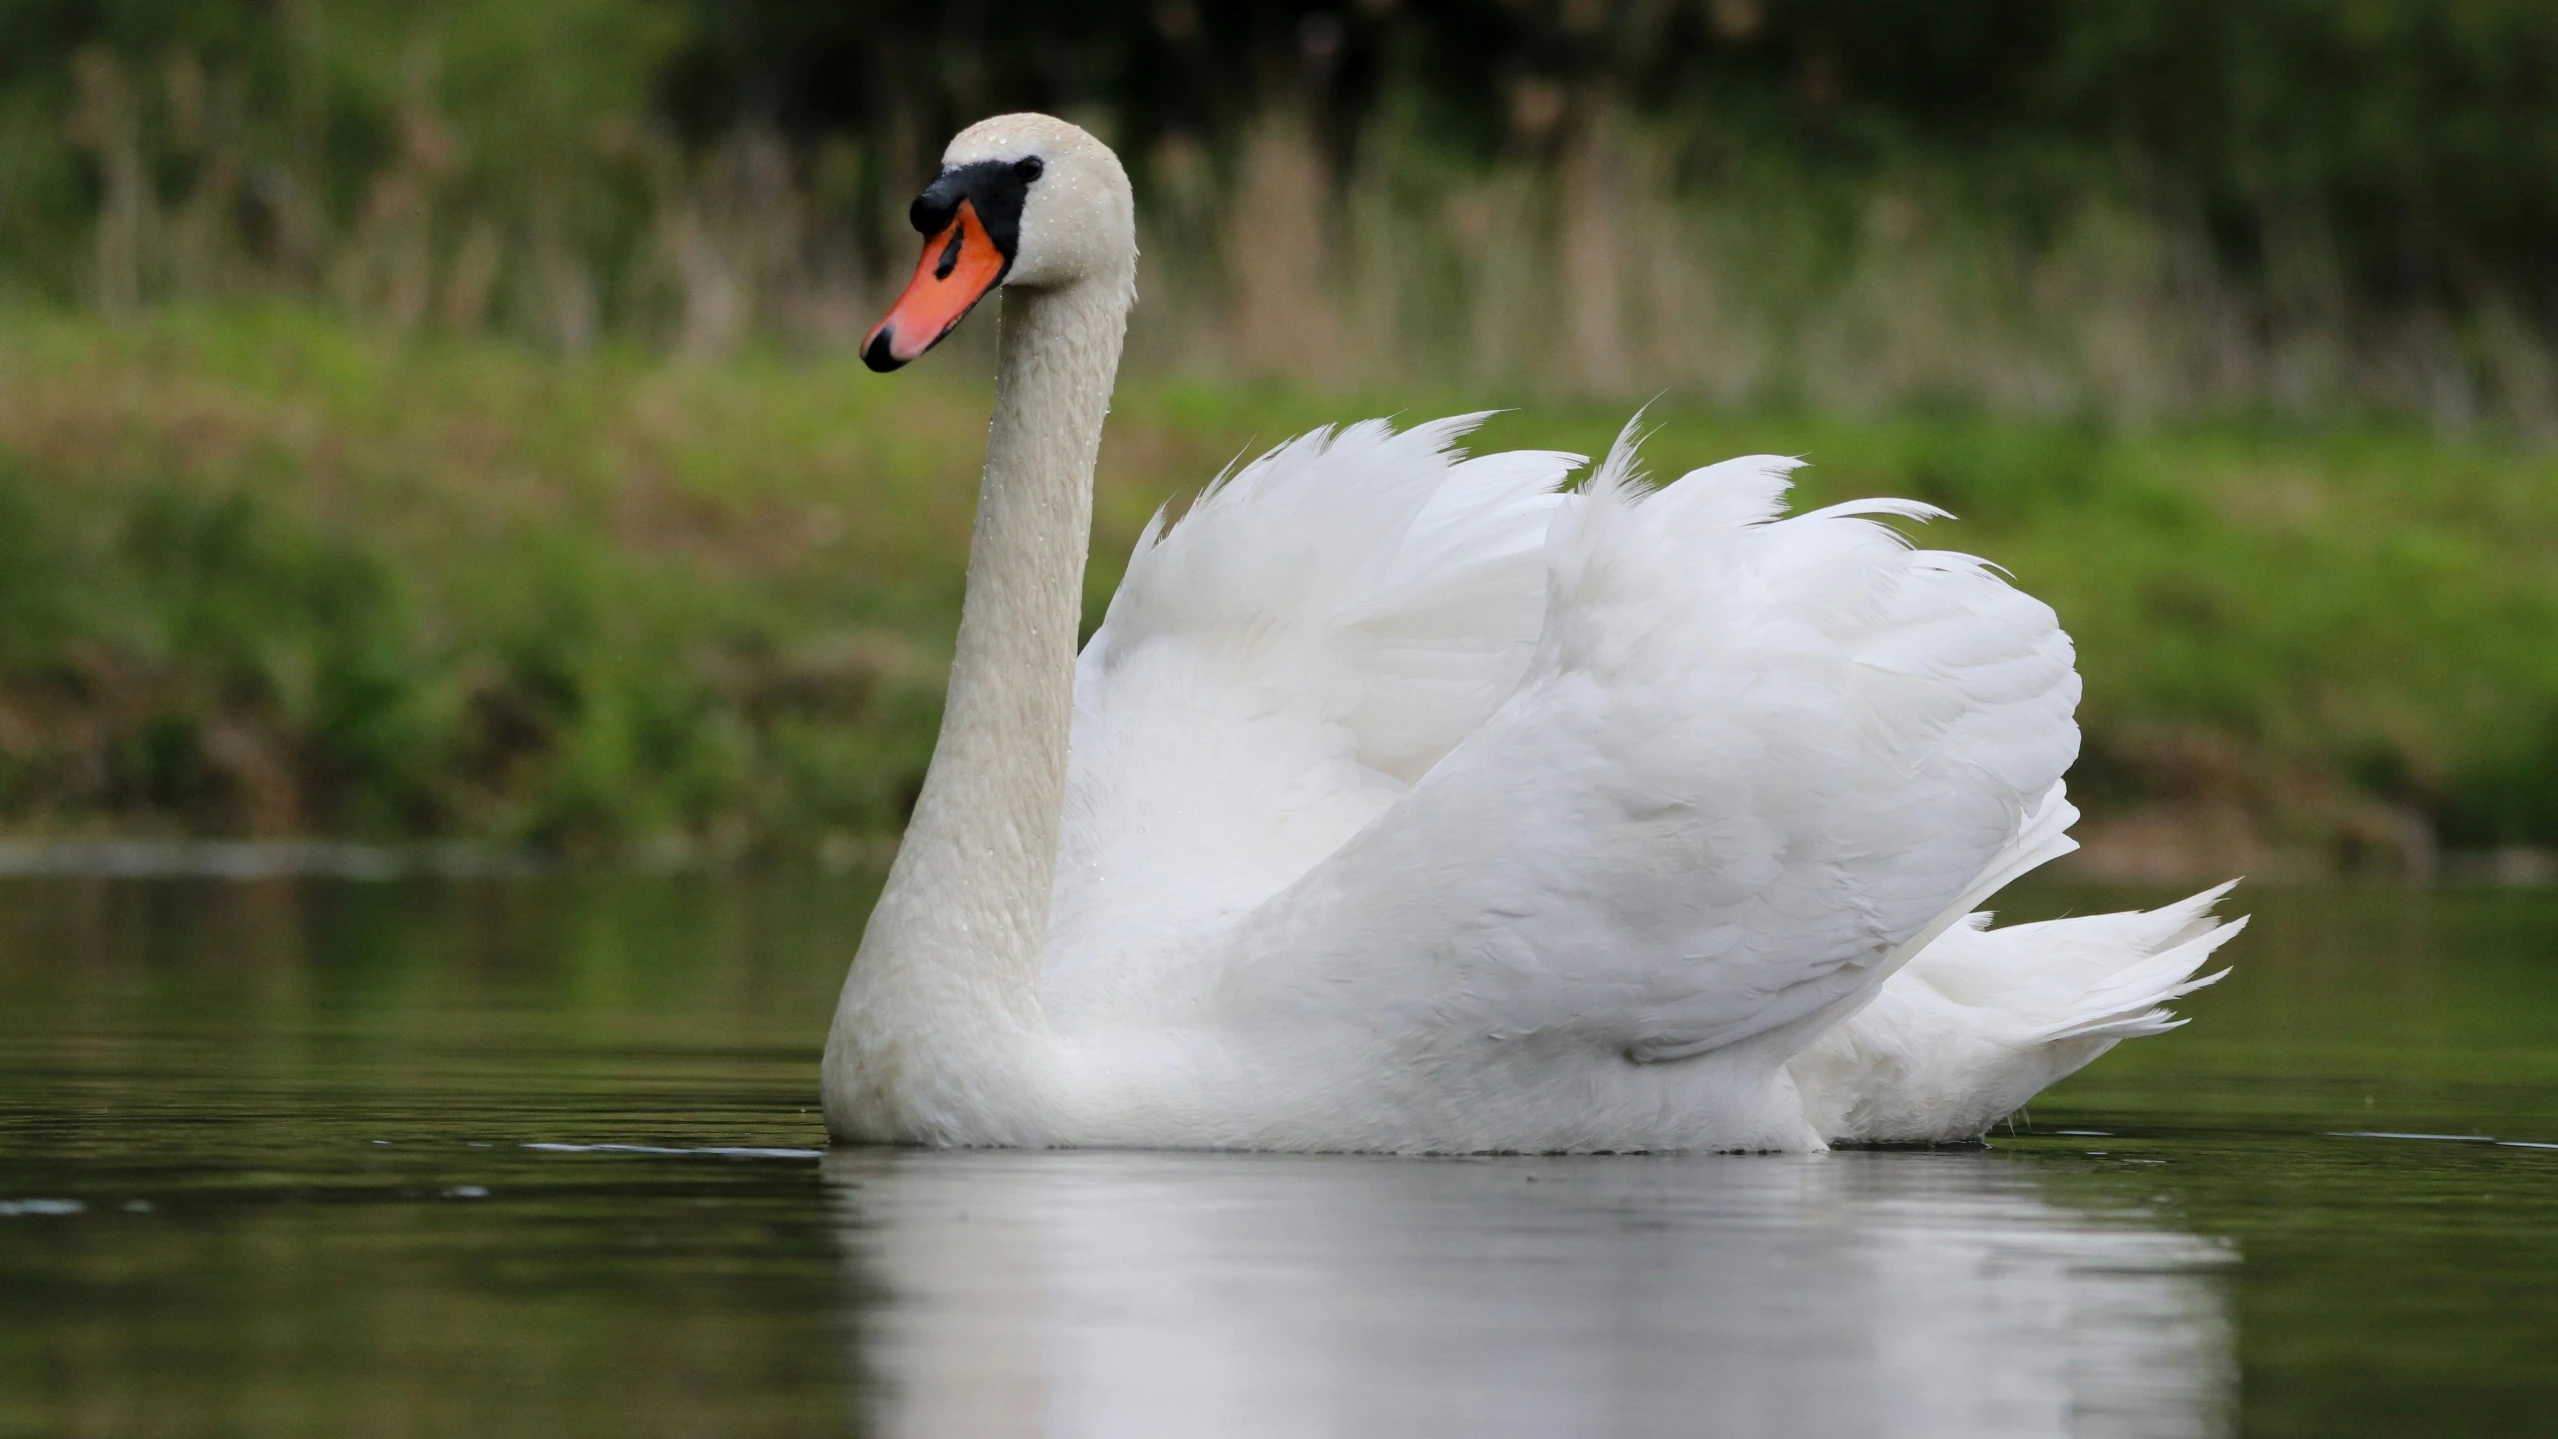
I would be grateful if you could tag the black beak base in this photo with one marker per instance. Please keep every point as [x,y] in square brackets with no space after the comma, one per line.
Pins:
[996,190]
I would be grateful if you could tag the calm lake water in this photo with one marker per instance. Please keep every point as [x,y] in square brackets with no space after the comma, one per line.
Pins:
[541,1156]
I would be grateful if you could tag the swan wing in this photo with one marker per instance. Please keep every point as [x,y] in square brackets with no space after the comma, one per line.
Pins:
[1752,765]
[1318,631]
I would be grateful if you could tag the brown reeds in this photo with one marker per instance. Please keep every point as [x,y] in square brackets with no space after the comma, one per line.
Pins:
[1581,264]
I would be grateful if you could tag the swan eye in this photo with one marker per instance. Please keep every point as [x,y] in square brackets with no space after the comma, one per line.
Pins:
[1030,169]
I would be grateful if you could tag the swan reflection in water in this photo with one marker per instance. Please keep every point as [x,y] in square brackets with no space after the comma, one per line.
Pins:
[1846,1294]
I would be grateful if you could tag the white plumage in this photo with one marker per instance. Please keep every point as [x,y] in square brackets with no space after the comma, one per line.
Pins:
[1411,803]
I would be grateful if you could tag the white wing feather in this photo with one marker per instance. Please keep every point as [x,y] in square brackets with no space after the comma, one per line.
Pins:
[1750,762]
[1317,632]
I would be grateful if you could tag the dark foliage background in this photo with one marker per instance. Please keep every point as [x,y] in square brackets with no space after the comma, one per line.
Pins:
[2418,135]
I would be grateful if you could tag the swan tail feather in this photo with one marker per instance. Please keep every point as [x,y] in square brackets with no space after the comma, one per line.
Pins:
[1983,1019]
[2132,1001]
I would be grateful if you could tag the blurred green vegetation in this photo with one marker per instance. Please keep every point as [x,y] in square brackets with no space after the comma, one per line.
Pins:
[267,571]
[438,420]
[2145,207]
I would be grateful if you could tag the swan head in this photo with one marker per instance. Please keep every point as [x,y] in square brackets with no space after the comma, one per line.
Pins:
[1027,201]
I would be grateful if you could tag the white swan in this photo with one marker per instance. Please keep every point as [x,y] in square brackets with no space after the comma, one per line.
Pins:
[1403,803]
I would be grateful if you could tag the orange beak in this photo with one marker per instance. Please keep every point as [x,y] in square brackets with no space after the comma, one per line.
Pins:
[958,267]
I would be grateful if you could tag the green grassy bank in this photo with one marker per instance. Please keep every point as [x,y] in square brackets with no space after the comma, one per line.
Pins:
[265,573]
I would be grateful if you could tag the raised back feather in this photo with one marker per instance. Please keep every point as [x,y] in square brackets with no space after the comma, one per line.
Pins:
[1318,630]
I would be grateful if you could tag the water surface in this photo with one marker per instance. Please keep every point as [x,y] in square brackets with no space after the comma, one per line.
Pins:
[539,1155]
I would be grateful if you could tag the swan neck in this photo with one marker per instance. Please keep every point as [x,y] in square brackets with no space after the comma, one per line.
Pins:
[943,1000]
